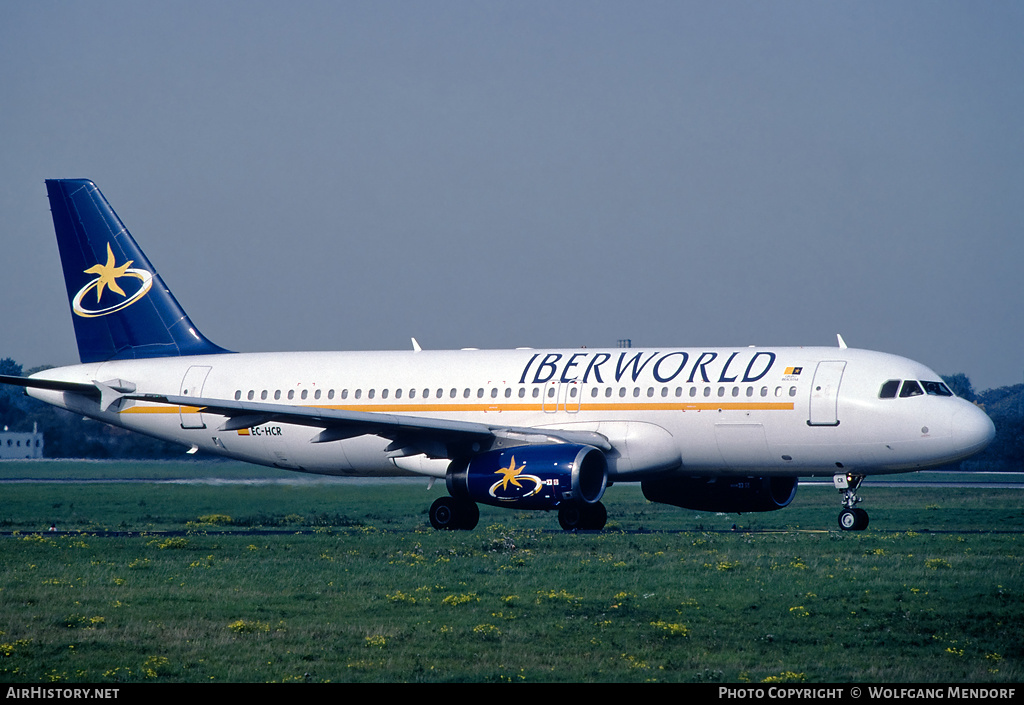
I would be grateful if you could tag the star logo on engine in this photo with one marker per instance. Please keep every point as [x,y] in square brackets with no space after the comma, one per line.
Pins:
[510,474]
[511,487]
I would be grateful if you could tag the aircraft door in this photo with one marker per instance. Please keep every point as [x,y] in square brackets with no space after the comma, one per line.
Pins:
[192,386]
[549,400]
[572,396]
[562,396]
[825,393]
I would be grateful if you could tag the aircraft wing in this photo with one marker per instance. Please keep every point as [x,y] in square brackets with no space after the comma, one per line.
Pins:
[410,435]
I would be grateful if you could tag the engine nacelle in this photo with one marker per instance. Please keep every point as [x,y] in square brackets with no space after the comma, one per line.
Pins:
[531,477]
[722,494]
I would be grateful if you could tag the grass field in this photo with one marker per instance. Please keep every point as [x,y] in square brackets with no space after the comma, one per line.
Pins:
[352,585]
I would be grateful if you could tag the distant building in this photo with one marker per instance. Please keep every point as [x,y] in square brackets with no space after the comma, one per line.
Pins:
[18,446]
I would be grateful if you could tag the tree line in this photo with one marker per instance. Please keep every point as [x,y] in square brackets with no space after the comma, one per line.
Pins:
[69,435]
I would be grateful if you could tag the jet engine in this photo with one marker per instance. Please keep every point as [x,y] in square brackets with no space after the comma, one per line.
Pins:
[531,477]
[722,494]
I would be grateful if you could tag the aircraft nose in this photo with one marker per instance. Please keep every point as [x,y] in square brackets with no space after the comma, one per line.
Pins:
[973,430]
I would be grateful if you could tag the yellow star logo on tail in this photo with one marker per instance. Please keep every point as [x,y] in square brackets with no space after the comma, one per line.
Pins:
[108,274]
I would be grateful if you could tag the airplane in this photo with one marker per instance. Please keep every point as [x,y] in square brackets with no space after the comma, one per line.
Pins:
[716,429]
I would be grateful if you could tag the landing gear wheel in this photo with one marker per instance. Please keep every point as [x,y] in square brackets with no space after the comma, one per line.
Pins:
[595,516]
[853,520]
[582,517]
[570,516]
[450,513]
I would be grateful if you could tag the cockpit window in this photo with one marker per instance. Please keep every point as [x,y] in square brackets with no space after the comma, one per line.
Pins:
[937,389]
[911,389]
[889,389]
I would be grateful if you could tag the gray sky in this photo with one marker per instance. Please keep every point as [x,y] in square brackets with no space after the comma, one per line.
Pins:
[345,175]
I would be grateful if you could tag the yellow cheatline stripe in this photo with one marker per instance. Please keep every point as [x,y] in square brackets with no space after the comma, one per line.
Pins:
[498,408]
[161,410]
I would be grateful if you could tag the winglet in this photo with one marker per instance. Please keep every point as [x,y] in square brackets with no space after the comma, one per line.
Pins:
[842,343]
[416,346]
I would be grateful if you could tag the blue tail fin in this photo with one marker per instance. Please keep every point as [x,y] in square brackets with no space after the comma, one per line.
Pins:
[119,304]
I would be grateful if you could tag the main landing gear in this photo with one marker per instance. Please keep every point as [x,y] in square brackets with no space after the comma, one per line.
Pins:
[454,514]
[851,518]
[582,517]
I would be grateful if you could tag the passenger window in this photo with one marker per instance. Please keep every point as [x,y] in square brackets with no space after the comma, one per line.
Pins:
[910,389]
[238,394]
[888,390]
[369,394]
[277,394]
[250,395]
[522,392]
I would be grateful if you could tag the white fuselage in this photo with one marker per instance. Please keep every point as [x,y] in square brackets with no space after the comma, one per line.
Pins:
[696,411]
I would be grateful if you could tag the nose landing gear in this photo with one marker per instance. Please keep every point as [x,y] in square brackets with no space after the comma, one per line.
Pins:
[851,518]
